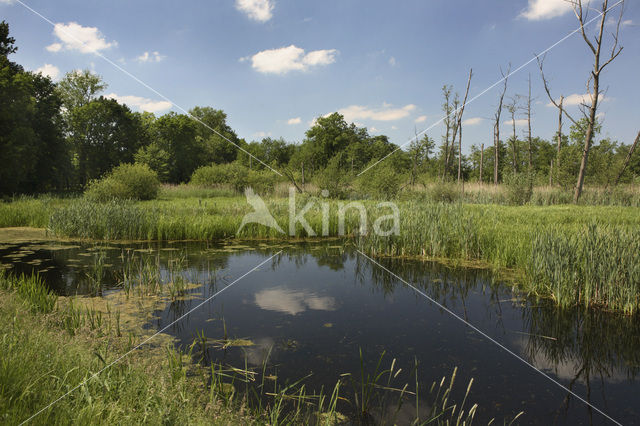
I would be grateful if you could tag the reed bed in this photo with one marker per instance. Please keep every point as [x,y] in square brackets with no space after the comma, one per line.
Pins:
[499,235]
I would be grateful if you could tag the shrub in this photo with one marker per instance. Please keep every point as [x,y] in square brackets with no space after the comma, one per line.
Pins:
[444,192]
[519,188]
[233,174]
[125,182]
[380,181]
[334,179]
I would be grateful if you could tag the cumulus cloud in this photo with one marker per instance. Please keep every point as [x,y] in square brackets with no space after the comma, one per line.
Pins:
[473,121]
[74,36]
[150,57]
[141,103]
[392,61]
[290,58]
[545,9]
[50,71]
[421,119]
[386,113]
[293,121]
[578,99]
[519,122]
[258,10]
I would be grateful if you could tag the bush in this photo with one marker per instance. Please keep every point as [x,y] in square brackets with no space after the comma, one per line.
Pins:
[519,188]
[381,181]
[334,179]
[444,192]
[233,174]
[125,182]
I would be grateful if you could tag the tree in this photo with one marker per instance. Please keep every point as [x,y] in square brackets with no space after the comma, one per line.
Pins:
[103,134]
[79,87]
[177,135]
[34,156]
[496,128]
[593,84]
[212,132]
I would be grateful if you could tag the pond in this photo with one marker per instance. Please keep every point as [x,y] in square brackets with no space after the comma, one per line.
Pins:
[316,311]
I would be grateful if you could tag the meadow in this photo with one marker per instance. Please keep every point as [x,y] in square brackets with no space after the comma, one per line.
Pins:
[575,254]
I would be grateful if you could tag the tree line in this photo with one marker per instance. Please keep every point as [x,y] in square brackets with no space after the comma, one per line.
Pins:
[61,136]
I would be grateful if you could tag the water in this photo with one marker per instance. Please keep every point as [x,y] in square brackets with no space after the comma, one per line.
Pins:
[313,308]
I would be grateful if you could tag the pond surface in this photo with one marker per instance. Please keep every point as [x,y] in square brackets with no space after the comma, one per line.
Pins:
[310,310]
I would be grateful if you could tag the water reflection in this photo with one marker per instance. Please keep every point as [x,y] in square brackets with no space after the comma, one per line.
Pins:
[292,302]
[315,306]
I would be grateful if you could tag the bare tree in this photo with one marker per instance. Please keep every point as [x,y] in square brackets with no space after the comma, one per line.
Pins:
[464,102]
[512,107]
[481,160]
[496,127]
[529,140]
[593,84]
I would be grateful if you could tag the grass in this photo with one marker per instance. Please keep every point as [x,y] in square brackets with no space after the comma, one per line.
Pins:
[576,255]
[50,349]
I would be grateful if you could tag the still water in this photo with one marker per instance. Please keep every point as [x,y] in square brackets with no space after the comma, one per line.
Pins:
[312,309]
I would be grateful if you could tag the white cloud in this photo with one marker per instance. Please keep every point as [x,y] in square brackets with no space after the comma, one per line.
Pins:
[258,10]
[421,119]
[261,134]
[545,9]
[141,103]
[386,113]
[290,58]
[578,99]
[392,61]
[150,57]
[7,1]
[373,130]
[473,121]
[50,71]
[519,122]
[293,121]
[55,47]
[76,37]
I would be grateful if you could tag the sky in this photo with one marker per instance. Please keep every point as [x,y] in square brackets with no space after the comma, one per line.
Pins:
[276,65]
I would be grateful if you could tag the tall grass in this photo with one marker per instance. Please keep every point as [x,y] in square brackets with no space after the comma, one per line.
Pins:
[32,289]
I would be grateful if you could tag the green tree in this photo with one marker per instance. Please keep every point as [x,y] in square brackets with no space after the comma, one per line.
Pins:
[103,134]
[34,155]
[79,87]
[177,135]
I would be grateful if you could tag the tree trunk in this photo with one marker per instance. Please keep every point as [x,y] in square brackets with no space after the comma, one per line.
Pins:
[529,127]
[559,138]
[481,160]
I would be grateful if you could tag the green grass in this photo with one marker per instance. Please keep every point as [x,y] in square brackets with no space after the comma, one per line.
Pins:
[577,255]
[49,350]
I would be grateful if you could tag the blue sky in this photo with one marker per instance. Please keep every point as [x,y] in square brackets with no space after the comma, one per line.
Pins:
[275,65]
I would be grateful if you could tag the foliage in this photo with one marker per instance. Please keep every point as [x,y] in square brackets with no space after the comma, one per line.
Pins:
[519,188]
[34,157]
[381,181]
[444,192]
[104,134]
[125,182]
[156,158]
[234,174]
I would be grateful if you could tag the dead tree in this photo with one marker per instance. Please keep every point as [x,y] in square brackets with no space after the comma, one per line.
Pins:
[496,128]
[593,84]
[628,159]
[529,140]
[481,160]
[464,102]
[512,107]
